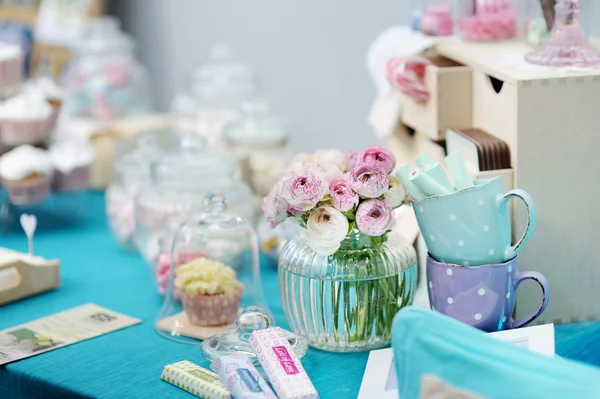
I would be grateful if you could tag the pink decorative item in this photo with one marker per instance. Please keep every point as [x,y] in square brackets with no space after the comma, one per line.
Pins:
[488,20]
[408,75]
[212,310]
[75,180]
[282,365]
[567,44]
[121,217]
[438,21]
[163,264]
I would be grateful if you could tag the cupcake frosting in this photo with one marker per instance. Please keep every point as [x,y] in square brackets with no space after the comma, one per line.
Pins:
[206,277]
[23,161]
[47,87]
[69,155]
[9,51]
[29,105]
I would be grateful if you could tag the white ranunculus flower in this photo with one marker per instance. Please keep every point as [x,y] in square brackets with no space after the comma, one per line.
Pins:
[326,228]
[396,194]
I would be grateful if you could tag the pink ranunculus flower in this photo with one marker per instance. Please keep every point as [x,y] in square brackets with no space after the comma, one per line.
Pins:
[343,198]
[379,156]
[304,190]
[274,207]
[351,158]
[374,217]
[369,180]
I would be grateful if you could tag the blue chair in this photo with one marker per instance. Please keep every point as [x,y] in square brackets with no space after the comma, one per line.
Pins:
[427,344]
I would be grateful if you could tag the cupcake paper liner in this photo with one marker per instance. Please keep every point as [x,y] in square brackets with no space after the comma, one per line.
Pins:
[17,132]
[30,191]
[212,310]
[77,179]
[11,71]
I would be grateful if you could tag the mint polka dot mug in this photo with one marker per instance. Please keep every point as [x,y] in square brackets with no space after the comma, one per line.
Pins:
[472,227]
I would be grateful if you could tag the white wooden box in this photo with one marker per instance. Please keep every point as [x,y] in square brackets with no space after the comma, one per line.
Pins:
[449,105]
[551,120]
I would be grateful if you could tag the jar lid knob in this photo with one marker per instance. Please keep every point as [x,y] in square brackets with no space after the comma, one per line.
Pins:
[220,52]
[192,142]
[214,203]
[147,142]
[258,106]
[252,318]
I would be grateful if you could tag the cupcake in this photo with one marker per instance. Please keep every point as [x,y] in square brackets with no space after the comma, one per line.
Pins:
[71,161]
[163,266]
[11,69]
[51,91]
[25,119]
[26,173]
[209,291]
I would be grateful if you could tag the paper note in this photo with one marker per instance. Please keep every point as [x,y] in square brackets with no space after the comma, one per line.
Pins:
[380,379]
[58,330]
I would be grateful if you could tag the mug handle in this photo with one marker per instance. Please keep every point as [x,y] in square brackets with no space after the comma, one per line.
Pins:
[543,282]
[502,201]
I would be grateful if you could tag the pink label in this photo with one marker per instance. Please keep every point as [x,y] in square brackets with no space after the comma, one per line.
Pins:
[285,359]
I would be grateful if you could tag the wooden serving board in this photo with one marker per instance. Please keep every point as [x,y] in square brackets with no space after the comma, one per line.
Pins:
[22,276]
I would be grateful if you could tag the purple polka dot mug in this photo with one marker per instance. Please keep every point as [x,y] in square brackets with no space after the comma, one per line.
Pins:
[471,226]
[481,296]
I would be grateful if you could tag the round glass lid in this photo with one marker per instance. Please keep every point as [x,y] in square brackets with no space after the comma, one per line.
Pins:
[235,340]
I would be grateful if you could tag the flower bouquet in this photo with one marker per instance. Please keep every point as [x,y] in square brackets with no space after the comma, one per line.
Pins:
[332,193]
[343,278]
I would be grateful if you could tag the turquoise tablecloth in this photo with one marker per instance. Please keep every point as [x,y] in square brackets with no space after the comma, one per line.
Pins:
[128,363]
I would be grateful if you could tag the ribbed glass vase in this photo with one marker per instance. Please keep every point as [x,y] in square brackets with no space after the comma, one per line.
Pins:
[346,302]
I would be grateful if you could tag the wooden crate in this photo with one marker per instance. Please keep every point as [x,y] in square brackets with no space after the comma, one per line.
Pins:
[551,120]
[22,276]
[449,105]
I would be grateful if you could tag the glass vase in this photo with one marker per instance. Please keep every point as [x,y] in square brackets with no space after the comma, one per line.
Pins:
[346,302]
[567,44]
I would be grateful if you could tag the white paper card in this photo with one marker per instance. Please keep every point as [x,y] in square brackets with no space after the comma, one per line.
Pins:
[380,380]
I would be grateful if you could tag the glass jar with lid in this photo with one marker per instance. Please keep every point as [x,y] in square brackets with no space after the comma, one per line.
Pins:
[488,20]
[105,81]
[180,181]
[260,141]
[437,18]
[132,171]
[216,92]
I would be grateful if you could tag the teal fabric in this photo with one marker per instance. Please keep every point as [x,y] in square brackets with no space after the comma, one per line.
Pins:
[124,364]
[127,364]
[429,344]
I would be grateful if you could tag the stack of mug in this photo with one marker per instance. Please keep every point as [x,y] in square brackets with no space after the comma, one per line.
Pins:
[472,266]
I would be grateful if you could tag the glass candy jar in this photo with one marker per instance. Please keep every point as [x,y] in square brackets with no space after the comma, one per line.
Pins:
[180,181]
[260,142]
[105,81]
[219,277]
[488,20]
[217,91]
[132,171]
[437,18]
[346,302]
